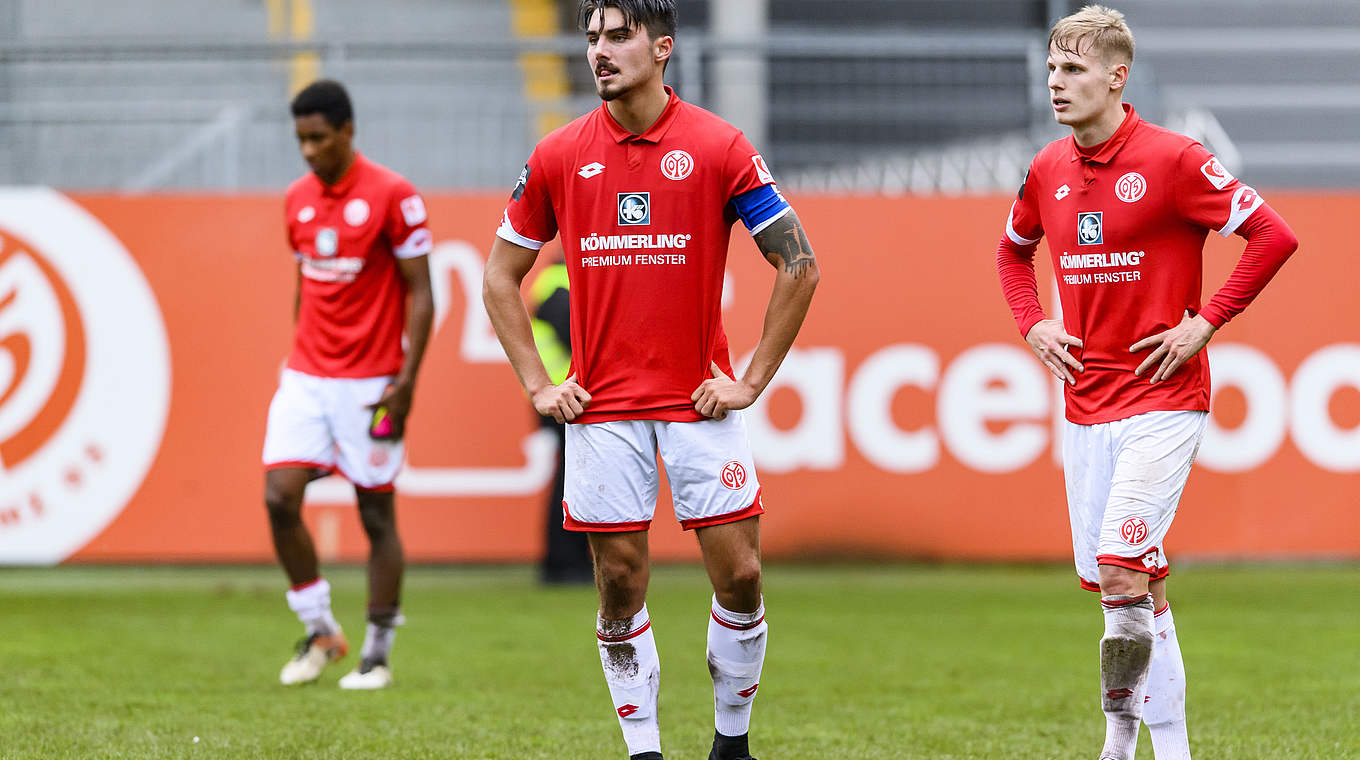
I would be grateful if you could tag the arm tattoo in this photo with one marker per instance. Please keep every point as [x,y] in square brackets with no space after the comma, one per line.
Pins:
[785,245]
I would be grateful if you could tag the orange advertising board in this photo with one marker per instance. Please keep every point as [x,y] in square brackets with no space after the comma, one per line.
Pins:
[141,340]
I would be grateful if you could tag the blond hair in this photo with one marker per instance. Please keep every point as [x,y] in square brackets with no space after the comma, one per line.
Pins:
[1097,29]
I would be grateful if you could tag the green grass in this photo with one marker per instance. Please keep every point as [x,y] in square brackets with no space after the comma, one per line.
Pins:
[864,662]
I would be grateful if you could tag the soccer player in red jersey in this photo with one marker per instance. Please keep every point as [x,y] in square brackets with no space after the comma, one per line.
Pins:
[643,192]
[358,231]
[1126,206]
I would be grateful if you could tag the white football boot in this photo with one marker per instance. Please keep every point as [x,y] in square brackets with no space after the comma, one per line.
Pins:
[369,675]
[314,653]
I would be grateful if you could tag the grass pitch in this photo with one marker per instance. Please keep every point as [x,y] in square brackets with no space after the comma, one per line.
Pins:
[864,662]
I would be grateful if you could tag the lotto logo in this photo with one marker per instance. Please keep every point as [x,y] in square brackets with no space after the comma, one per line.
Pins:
[1089,228]
[1116,694]
[635,209]
[1133,531]
[748,693]
[733,475]
[625,710]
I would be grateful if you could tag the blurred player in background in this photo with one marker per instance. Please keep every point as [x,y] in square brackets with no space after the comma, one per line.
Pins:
[566,554]
[643,192]
[1126,206]
[359,234]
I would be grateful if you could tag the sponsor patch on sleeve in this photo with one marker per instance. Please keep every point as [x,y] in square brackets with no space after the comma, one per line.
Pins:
[413,210]
[1216,174]
[520,184]
[762,171]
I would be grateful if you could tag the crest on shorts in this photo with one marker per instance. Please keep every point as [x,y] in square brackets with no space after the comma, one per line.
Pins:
[733,475]
[1133,531]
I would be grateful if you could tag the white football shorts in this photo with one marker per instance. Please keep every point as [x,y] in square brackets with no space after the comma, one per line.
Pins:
[322,423]
[612,478]
[1124,482]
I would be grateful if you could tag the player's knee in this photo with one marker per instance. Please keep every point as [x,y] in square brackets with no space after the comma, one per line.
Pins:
[622,582]
[284,507]
[377,515]
[740,589]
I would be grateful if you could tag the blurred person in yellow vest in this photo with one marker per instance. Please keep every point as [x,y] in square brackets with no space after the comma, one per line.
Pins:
[566,558]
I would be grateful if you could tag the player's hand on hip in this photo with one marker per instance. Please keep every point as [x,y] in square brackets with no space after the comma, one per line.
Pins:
[564,402]
[721,394]
[1049,341]
[1174,347]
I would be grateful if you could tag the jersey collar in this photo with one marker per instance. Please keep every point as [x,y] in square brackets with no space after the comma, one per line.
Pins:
[655,132]
[347,181]
[1105,152]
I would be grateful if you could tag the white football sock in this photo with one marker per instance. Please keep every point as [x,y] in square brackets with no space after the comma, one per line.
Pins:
[379,636]
[736,653]
[632,669]
[312,603]
[1125,651]
[1164,707]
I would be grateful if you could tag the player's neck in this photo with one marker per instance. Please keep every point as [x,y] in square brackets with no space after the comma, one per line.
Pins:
[341,170]
[1100,128]
[638,110]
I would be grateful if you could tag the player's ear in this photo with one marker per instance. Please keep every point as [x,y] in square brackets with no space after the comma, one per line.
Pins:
[1119,76]
[347,131]
[662,47]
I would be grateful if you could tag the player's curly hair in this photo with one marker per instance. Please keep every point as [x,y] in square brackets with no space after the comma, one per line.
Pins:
[326,97]
[1094,28]
[658,17]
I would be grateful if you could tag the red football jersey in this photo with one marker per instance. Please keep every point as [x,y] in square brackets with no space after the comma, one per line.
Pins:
[644,222]
[348,237]
[1126,222]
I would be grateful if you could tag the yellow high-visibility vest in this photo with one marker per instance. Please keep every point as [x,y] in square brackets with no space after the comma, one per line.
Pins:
[556,356]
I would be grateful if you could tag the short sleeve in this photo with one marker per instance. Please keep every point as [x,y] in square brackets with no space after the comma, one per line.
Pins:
[744,168]
[406,224]
[1207,195]
[1023,225]
[529,220]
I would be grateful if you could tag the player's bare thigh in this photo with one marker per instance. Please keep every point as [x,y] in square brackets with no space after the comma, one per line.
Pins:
[622,571]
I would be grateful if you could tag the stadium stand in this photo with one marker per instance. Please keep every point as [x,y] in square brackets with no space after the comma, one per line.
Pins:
[865,95]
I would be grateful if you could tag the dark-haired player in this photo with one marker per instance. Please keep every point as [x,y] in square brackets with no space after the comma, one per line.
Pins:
[642,193]
[1126,206]
[359,234]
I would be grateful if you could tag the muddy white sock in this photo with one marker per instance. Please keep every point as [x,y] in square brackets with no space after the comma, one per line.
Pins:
[632,669]
[1164,707]
[1125,651]
[736,654]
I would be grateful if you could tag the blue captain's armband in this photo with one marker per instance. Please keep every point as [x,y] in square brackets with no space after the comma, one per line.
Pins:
[759,208]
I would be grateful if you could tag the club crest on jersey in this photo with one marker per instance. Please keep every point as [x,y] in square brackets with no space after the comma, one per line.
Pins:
[327,241]
[677,165]
[1130,187]
[356,212]
[1089,229]
[635,209]
[520,184]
